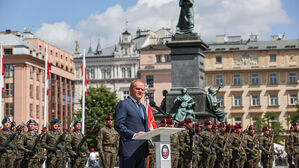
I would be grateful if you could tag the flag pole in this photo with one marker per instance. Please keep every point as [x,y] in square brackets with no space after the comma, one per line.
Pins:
[2,80]
[83,91]
[46,87]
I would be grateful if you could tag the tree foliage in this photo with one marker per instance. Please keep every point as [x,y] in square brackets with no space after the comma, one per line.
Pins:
[99,102]
[293,118]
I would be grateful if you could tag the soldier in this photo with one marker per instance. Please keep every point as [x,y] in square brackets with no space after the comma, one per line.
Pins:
[296,145]
[78,158]
[19,153]
[55,153]
[31,157]
[252,149]
[6,152]
[108,143]
[266,146]
[288,147]
[181,148]
[163,122]
[237,149]
[222,150]
[207,138]
[197,144]
[174,145]
[186,139]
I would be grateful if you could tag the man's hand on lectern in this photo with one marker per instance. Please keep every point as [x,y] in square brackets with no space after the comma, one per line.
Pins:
[138,133]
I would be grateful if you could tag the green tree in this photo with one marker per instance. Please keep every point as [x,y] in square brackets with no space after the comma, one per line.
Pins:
[99,102]
[293,118]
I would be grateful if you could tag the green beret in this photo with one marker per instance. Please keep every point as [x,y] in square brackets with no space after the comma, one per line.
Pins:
[13,124]
[31,121]
[55,120]
[5,119]
[77,121]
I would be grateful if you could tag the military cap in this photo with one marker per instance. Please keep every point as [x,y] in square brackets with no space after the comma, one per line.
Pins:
[294,124]
[214,125]
[164,120]
[208,122]
[170,121]
[92,149]
[237,126]
[198,124]
[77,121]
[188,120]
[13,124]
[251,127]
[31,121]
[222,124]
[5,119]
[55,120]
[181,124]
[108,117]
[265,128]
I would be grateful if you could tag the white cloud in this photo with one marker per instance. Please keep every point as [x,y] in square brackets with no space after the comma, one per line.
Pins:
[213,17]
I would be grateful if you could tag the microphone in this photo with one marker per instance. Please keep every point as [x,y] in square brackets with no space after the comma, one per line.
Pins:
[153,104]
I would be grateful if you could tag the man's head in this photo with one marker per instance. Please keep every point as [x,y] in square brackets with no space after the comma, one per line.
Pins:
[215,128]
[77,125]
[266,130]
[163,122]
[137,89]
[13,126]
[31,124]
[211,90]
[55,124]
[198,125]
[170,123]
[109,120]
[296,127]
[184,91]
[6,123]
[208,124]
[164,92]
[238,127]
[222,125]
[188,122]
[251,129]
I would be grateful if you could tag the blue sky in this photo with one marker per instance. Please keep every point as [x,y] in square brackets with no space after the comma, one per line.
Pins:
[90,20]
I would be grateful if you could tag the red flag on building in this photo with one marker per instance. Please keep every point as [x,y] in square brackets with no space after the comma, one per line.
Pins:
[84,75]
[151,123]
[47,72]
[2,71]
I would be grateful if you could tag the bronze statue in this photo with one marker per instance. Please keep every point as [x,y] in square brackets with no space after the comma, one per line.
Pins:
[186,20]
[214,105]
[163,103]
[186,106]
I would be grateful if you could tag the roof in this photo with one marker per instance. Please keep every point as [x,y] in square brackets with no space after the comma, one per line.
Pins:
[13,40]
[253,45]
[155,47]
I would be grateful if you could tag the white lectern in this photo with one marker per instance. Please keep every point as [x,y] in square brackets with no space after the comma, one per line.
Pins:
[161,139]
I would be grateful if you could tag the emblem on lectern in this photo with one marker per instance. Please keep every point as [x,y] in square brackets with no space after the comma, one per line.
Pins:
[165,151]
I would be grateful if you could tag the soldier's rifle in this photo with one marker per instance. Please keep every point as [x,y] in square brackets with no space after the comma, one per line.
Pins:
[78,149]
[227,138]
[33,148]
[242,138]
[213,140]
[20,128]
[271,144]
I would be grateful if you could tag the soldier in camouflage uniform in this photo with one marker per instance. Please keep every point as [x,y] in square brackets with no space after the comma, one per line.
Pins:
[19,153]
[236,146]
[6,153]
[265,145]
[186,143]
[181,149]
[290,148]
[74,138]
[197,146]
[222,150]
[295,144]
[55,155]
[31,157]
[252,149]
[207,138]
[163,122]
[108,143]
[174,146]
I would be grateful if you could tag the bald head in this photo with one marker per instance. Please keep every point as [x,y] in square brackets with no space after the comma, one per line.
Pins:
[137,89]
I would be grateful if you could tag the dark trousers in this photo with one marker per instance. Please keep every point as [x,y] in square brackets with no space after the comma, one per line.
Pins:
[137,160]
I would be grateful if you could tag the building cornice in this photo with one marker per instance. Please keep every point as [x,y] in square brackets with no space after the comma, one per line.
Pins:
[254,69]
[103,81]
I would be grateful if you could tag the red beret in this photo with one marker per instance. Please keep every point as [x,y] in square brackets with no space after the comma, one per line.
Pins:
[208,122]
[222,124]
[214,125]
[265,128]
[170,121]
[198,123]
[188,120]
[164,120]
[108,117]
[92,149]
[239,125]
[251,127]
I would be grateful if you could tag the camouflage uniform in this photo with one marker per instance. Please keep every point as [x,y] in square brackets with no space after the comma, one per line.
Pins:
[267,156]
[197,150]
[207,138]
[108,143]
[175,152]
[236,150]
[19,153]
[252,150]
[295,145]
[222,154]
[78,160]
[181,150]
[6,157]
[55,158]
[186,145]
[151,155]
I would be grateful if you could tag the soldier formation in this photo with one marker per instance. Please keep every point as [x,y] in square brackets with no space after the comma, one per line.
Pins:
[199,145]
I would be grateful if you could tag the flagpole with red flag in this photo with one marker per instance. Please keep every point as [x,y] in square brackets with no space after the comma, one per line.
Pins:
[46,76]
[84,90]
[151,123]
[1,78]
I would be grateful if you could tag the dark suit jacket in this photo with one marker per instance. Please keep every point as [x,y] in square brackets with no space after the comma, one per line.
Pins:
[128,121]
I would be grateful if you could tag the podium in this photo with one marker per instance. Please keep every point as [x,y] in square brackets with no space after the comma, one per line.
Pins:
[161,139]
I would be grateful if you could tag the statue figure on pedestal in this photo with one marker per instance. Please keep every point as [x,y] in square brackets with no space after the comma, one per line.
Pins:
[163,103]
[186,106]
[214,105]
[77,49]
[186,20]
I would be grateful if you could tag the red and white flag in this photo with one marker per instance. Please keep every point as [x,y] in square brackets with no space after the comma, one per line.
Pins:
[2,71]
[47,73]
[151,123]
[84,74]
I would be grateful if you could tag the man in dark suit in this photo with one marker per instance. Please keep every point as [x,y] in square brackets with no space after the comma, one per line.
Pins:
[131,121]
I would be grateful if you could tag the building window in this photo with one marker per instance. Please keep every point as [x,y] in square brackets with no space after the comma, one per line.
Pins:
[9,109]
[167,58]
[255,100]
[219,79]
[126,93]
[237,100]
[31,110]
[238,120]
[90,74]
[158,58]
[272,57]
[221,100]
[31,91]
[254,79]
[9,89]
[8,51]
[293,99]
[273,78]
[292,77]
[37,92]
[31,72]
[37,74]
[126,51]
[9,70]
[150,80]
[219,59]
[123,72]
[109,73]
[129,72]
[237,79]
[274,100]
[37,111]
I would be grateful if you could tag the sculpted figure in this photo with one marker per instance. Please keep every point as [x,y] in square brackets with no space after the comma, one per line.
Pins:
[163,103]
[77,49]
[186,19]
[186,106]
[214,105]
